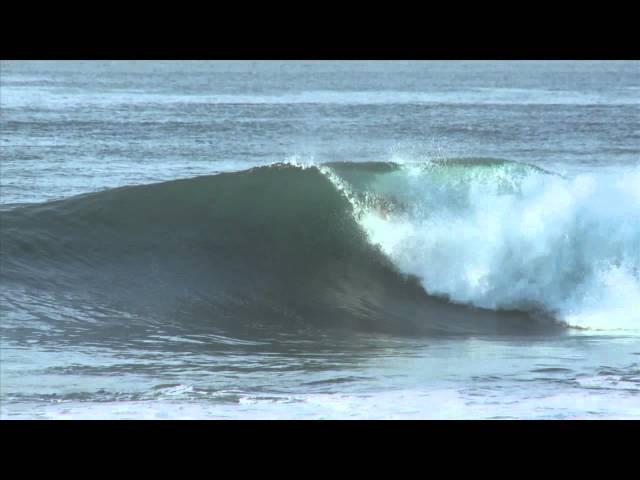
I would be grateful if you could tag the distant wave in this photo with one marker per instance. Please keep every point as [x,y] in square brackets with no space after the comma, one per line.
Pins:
[462,246]
[57,97]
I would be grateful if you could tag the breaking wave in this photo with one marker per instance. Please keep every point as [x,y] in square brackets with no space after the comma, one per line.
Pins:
[460,246]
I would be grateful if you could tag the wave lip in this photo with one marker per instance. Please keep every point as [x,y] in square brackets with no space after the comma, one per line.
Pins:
[374,246]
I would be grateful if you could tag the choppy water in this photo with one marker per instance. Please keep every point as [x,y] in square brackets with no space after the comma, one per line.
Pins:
[320,239]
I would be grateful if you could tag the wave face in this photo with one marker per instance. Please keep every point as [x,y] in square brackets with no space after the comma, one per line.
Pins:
[454,247]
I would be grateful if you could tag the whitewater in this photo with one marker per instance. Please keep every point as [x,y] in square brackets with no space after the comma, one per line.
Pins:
[514,237]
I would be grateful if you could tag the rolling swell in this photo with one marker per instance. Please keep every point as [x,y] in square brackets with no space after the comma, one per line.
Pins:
[271,247]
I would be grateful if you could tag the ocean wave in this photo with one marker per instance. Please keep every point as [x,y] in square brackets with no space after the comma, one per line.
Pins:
[463,246]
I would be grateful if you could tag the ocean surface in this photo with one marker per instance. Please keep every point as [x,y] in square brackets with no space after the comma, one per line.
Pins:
[319,240]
